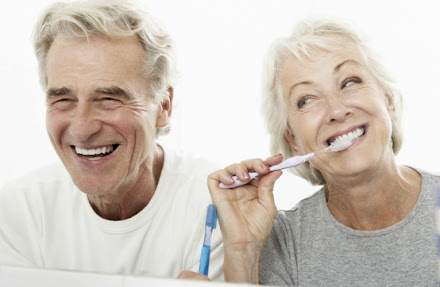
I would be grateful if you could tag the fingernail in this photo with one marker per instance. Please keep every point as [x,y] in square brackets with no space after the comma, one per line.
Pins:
[277,155]
[231,179]
[245,174]
[264,166]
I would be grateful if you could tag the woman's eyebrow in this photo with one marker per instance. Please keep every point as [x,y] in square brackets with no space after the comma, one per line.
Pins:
[335,70]
[349,61]
[298,84]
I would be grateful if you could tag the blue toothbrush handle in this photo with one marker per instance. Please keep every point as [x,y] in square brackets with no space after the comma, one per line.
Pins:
[204,259]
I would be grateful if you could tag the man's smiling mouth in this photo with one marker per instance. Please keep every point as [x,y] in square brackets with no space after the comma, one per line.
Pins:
[95,153]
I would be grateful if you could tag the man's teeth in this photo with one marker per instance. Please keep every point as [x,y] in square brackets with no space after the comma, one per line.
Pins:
[95,151]
[351,136]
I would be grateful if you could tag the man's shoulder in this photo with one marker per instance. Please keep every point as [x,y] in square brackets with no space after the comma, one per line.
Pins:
[185,176]
[47,176]
[180,161]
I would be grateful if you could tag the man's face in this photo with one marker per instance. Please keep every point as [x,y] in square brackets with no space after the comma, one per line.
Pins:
[100,116]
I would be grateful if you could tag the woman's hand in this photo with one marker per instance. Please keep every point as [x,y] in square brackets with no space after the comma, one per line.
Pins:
[246,215]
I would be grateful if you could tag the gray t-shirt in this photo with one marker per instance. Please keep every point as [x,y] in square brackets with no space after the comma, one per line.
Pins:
[309,247]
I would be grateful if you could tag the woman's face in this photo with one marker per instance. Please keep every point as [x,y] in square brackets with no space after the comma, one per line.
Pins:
[330,95]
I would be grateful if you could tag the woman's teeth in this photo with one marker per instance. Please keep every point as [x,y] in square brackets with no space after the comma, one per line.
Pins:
[98,152]
[351,136]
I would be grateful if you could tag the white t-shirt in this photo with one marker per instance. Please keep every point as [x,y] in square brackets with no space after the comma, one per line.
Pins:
[47,222]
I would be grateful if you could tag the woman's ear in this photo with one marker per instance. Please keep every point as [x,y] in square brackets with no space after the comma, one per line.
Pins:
[290,139]
[391,107]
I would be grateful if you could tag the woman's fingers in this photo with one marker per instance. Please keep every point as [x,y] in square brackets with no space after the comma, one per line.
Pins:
[242,170]
[245,213]
[263,186]
[275,159]
[261,189]
[222,176]
[265,191]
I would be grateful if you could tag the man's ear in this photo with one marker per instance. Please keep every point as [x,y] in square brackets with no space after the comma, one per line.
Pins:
[165,110]
[290,139]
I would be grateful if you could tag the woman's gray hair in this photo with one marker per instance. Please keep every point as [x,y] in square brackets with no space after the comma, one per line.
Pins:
[110,18]
[310,34]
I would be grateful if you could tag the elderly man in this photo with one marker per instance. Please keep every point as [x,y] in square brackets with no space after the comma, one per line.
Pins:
[126,205]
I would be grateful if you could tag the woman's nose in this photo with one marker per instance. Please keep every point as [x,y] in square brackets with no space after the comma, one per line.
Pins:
[338,110]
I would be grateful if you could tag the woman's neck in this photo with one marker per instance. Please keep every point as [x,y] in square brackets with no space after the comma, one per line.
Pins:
[375,200]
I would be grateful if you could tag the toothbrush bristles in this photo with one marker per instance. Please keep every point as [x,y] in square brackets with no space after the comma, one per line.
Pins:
[340,144]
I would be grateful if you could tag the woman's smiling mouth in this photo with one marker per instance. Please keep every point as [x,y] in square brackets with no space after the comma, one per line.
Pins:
[351,136]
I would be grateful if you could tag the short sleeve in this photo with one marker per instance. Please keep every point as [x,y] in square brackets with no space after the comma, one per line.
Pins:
[277,264]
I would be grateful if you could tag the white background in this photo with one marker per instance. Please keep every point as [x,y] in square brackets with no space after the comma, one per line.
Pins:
[221,45]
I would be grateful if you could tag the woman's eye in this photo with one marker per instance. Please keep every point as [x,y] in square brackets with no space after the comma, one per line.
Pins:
[304,101]
[350,81]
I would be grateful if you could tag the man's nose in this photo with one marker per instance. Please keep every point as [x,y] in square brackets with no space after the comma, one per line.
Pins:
[85,122]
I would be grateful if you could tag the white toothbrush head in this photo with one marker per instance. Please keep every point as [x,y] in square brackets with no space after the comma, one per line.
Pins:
[340,145]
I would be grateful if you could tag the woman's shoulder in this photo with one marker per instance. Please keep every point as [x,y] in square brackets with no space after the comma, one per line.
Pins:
[305,208]
[429,178]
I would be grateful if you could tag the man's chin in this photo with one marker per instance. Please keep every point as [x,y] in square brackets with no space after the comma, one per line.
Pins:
[92,182]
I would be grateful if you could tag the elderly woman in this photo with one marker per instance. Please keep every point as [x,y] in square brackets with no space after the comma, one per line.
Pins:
[372,223]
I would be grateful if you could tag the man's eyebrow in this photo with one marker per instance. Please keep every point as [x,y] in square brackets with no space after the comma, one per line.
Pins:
[114,91]
[54,92]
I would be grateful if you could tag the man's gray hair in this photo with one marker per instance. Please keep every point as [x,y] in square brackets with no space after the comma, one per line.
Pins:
[310,34]
[110,18]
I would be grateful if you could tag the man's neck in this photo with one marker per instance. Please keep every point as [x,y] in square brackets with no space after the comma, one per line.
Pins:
[129,199]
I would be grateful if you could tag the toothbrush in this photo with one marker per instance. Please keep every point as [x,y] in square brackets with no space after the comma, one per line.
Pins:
[211,223]
[293,161]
